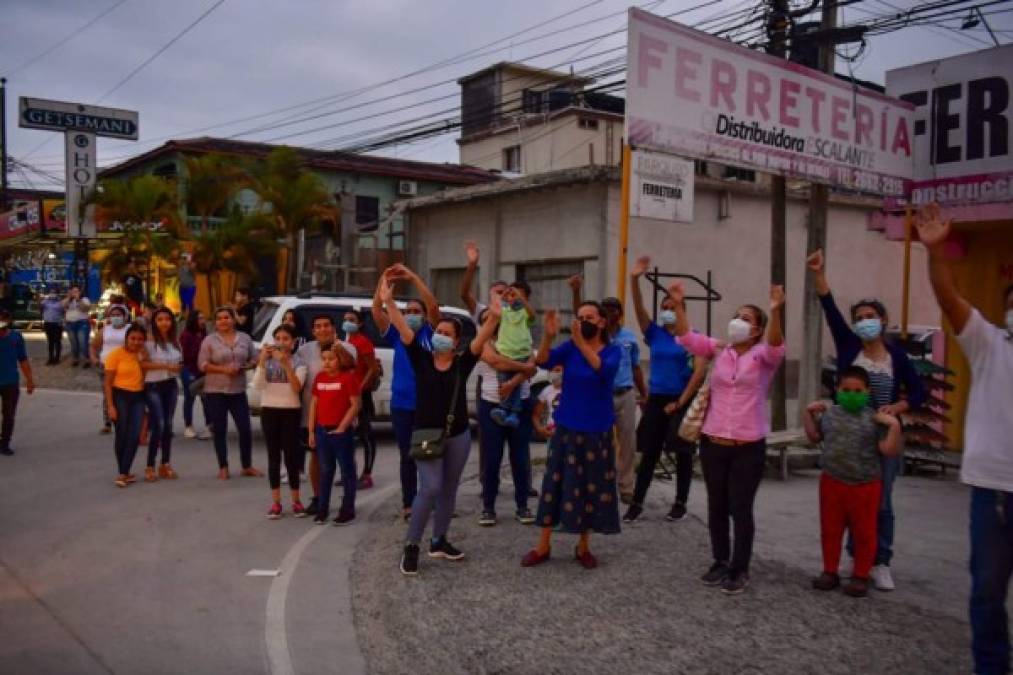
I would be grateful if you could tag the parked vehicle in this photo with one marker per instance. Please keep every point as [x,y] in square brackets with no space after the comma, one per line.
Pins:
[309,305]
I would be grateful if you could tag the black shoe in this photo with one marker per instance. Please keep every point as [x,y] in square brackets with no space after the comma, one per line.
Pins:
[344,517]
[410,560]
[532,492]
[6,451]
[735,583]
[487,519]
[632,513]
[525,517]
[320,518]
[715,575]
[826,582]
[444,549]
[678,512]
[314,506]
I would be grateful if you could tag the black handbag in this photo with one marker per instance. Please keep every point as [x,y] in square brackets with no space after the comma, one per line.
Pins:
[428,444]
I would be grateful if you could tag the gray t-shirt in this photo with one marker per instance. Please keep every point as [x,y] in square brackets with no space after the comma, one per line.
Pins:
[851,445]
[186,278]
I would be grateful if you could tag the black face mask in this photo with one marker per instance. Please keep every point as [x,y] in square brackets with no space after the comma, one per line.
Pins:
[588,330]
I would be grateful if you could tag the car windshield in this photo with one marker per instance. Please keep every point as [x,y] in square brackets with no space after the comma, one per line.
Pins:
[262,318]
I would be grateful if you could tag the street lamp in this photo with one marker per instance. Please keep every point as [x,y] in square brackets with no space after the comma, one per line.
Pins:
[971,21]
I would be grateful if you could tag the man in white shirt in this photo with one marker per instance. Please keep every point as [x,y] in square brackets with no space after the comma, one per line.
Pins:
[988,449]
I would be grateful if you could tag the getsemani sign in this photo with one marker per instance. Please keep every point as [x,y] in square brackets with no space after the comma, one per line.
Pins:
[692,94]
[37,113]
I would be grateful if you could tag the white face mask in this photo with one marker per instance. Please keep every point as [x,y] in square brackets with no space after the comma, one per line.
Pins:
[1009,321]
[739,330]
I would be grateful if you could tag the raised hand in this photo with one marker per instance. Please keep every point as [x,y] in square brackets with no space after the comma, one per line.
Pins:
[552,323]
[815,262]
[471,251]
[932,229]
[885,418]
[386,290]
[677,292]
[575,282]
[776,297]
[575,333]
[640,266]
[400,271]
[495,306]
[816,408]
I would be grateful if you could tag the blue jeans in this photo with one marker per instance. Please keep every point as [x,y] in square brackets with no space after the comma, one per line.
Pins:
[336,449]
[77,333]
[513,402]
[161,400]
[991,570]
[220,406]
[402,421]
[129,413]
[494,438]
[187,378]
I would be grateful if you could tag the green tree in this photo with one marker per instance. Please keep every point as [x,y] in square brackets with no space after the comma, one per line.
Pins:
[210,183]
[296,199]
[235,246]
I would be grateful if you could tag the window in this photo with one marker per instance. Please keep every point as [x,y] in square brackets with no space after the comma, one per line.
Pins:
[735,173]
[700,167]
[367,213]
[446,284]
[550,290]
[587,123]
[512,158]
[531,101]
[262,319]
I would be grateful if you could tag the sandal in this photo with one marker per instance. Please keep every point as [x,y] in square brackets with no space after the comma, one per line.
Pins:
[251,472]
[223,474]
[165,471]
[149,474]
[131,478]
[121,482]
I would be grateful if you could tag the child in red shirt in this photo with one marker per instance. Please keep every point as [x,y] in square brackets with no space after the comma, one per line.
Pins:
[333,408]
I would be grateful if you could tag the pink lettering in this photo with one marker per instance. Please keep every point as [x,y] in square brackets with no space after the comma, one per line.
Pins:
[757,93]
[647,59]
[816,98]
[686,63]
[723,84]
[900,138]
[838,115]
[789,99]
[863,125]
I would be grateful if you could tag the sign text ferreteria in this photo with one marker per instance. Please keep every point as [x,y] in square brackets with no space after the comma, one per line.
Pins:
[692,94]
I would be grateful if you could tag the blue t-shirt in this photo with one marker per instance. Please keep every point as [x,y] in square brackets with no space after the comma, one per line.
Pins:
[629,357]
[670,362]
[402,385]
[12,351]
[586,401]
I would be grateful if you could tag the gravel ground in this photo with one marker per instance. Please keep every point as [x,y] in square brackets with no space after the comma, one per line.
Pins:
[62,376]
[642,611]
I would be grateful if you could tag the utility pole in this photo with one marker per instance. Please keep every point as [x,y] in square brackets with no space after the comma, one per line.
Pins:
[811,361]
[777,32]
[3,143]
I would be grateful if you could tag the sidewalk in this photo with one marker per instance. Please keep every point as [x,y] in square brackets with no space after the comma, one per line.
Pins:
[645,611]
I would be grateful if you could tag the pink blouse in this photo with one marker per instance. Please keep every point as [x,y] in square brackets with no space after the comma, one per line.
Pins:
[739,385]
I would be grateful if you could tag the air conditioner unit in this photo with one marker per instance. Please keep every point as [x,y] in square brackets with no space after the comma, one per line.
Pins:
[407,188]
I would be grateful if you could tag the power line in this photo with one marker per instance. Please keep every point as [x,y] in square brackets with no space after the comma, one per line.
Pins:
[65,39]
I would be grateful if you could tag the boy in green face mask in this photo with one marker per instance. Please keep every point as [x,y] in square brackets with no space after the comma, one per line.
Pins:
[853,435]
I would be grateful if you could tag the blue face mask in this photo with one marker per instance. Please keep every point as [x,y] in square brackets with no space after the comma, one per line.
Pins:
[517,305]
[868,329]
[442,343]
[414,321]
[350,327]
[667,317]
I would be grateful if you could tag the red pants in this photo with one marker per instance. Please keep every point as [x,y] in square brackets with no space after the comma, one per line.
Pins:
[854,507]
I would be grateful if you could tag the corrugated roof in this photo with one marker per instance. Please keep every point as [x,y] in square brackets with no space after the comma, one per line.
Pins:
[324,160]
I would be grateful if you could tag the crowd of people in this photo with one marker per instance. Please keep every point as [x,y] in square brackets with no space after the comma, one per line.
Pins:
[704,395]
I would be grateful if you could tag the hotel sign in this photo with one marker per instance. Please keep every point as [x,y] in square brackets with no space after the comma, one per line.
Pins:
[37,113]
[695,95]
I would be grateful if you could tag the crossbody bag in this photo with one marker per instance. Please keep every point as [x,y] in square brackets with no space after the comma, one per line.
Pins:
[429,443]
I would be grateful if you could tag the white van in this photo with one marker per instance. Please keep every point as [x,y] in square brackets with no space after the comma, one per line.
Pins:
[309,305]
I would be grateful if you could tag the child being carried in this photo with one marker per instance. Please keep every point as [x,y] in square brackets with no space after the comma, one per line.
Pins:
[515,343]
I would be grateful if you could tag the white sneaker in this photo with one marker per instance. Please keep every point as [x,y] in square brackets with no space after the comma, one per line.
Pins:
[189,433]
[204,435]
[882,579]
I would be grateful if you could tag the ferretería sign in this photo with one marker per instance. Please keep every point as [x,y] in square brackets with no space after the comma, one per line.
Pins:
[37,113]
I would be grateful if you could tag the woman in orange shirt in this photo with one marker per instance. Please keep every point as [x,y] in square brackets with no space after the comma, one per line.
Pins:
[124,390]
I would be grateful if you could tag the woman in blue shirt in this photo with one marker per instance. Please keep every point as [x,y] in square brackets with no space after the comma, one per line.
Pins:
[579,487]
[674,381]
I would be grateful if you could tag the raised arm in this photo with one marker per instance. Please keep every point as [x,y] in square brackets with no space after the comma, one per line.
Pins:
[468,280]
[549,333]
[575,282]
[812,427]
[933,232]
[425,293]
[590,355]
[678,295]
[890,444]
[818,268]
[397,319]
[775,335]
[840,330]
[639,267]
[488,328]
[380,320]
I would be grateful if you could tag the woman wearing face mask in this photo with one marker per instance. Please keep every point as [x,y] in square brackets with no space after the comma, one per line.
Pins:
[733,446]
[78,328]
[107,338]
[891,373]
[437,375]
[190,339]
[579,486]
[675,379]
[368,370]
[123,385]
[162,361]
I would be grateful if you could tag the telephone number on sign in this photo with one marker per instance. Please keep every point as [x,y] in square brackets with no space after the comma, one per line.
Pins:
[871,182]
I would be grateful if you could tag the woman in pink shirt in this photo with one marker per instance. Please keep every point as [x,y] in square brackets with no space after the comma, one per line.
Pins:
[733,446]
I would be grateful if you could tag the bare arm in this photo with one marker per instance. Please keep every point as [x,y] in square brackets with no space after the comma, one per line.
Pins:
[575,284]
[589,354]
[505,365]
[775,336]
[371,373]
[677,294]
[95,347]
[643,318]
[890,445]
[350,416]
[488,328]
[425,293]
[699,373]
[26,370]
[536,420]
[380,319]
[549,334]
[468,280]
[396,317]
[812,427]
[638,381]
[311,422]
[933,232]
[107,386]
[817,266]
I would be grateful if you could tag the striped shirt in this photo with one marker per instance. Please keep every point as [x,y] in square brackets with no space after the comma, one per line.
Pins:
[880,379]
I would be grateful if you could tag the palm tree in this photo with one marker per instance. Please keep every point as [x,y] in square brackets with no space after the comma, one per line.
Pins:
[295,198]
[211,182]
[235,246]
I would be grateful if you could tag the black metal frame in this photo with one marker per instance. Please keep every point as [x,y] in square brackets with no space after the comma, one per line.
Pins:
[659,290]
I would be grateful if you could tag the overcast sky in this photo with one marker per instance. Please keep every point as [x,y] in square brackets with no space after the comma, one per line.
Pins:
[250,57]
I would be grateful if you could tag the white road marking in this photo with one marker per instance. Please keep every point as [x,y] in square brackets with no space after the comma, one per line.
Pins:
[263,573]
[279,658]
